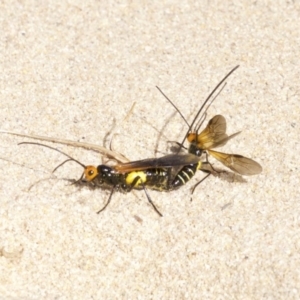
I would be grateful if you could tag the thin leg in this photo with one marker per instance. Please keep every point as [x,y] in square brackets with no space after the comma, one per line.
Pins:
[195,186]
[79,180]
[207,162]
[108,201]
[146,192]
[178,144]
[149,199]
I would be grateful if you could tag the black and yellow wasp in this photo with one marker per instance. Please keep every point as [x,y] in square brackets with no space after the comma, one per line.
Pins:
[163,174]
[154,173]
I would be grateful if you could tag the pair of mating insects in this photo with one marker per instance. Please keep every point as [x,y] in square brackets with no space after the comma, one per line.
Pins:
[172,171]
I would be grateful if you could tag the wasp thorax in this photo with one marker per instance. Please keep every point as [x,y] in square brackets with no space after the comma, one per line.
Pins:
[194,149]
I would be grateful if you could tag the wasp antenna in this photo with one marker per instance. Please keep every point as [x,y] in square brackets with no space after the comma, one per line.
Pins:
[55,149]
[207,99]
[169,100]
[199,124]
[69,159]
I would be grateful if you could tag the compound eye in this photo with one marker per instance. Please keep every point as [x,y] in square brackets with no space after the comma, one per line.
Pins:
[90,173]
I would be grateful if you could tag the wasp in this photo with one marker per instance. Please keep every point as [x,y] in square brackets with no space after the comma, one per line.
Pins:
[154,173]
[163,174]
[212,136]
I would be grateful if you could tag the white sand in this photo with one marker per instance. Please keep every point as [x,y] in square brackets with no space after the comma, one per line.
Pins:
[69,70]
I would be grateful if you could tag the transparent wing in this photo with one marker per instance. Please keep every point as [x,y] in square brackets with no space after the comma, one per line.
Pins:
[237,163]
[211,135]
[221,142]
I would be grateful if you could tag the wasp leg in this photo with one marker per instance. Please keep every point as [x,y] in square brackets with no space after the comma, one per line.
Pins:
[207,162]
[79,180]
[108,201]
[134,182]
[176,147]
[195,186]
[151,202]
[203,170]
[70,159]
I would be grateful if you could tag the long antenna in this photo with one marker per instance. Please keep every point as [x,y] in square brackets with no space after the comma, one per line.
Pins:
[55,149]
[206,100]
[169,100]
[202,106]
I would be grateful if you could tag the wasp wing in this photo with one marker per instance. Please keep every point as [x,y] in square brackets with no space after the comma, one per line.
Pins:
[221,142]
[168,161]
[237,163]
[214,134]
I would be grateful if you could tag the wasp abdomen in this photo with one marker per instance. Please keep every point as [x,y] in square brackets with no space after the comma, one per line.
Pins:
[185,175]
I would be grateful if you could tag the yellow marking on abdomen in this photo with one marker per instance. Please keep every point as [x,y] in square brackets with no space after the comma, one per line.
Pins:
[133,175]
